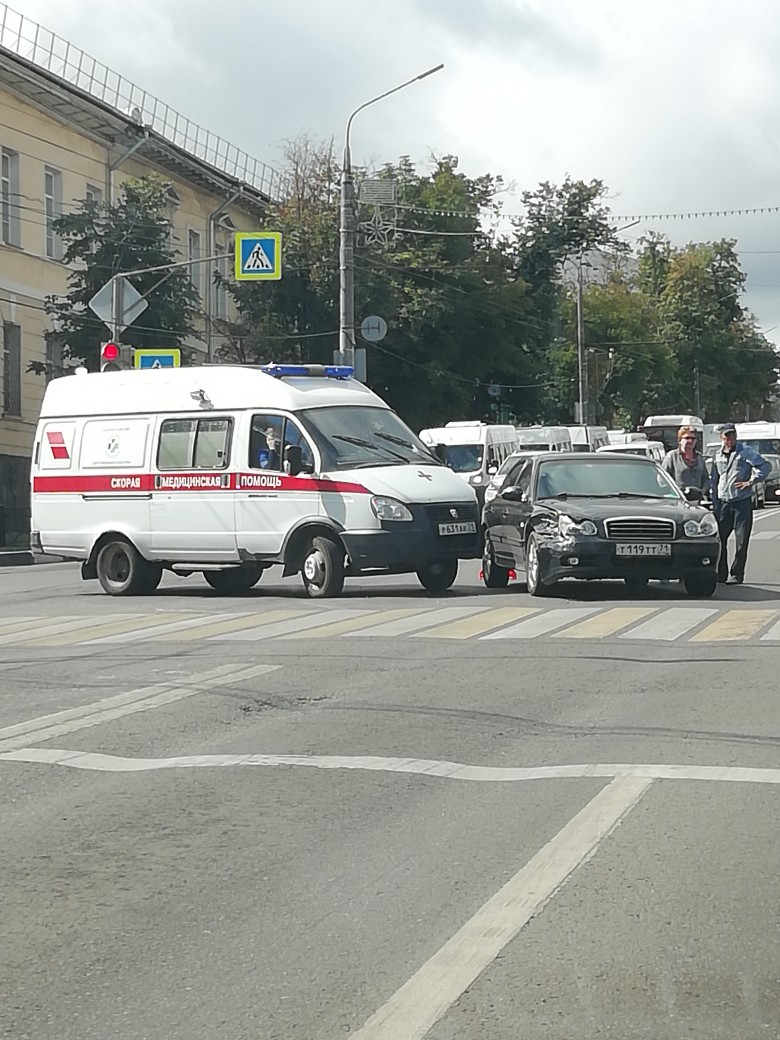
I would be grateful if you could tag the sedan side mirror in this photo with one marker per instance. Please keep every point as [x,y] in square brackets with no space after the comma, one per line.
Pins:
[514,494]
[693,494]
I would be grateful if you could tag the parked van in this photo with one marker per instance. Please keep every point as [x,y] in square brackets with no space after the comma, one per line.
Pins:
[665,428]
[473,450]
[763,437]
[229,469]
[543,438]
[650,449]
[588,438]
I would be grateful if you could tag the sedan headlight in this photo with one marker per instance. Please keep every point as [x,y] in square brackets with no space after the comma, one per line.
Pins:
[389,509]
[704,528]
[568,527]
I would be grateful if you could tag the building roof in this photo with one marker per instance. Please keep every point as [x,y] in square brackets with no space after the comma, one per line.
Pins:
[79,91]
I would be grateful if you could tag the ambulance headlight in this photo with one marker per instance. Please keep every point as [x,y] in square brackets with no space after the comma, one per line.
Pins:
[389,509]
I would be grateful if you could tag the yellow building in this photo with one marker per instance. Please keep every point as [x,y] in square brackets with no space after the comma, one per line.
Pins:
[72,129]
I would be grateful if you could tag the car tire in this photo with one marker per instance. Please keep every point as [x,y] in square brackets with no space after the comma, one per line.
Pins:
[122,571]
[701,586]
[322,569]
[233,580]
[494,575]
[533,569]
[636,584]
[438,577]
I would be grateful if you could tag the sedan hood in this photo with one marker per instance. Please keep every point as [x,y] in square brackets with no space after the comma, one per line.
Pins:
[610,508]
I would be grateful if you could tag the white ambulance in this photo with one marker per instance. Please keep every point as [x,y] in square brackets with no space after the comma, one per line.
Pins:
[230,469]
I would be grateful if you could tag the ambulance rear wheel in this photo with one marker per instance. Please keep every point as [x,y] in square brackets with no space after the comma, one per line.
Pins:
[122,571]
[322,568]
[235,579]
[438,577]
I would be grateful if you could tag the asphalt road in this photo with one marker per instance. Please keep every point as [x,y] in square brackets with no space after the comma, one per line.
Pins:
[390,816]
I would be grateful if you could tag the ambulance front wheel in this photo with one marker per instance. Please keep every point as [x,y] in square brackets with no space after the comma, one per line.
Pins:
[122,571]
[322,568]
[438,577]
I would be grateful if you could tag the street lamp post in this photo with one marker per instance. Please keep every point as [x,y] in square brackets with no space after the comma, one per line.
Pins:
[347,234]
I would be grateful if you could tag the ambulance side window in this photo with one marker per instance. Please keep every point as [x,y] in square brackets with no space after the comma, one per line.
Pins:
[265,442]
[293,435]
[194,444]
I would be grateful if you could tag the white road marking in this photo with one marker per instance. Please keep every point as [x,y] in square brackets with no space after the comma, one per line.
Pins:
[419,1004]
[376,764]
[765,535]
[541,624]
[426,619]
[164,626]
[291,625]
[671,624]
[47,727]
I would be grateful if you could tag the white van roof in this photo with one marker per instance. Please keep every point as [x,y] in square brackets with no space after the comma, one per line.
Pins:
[674,420]
[467,433]
[140,392]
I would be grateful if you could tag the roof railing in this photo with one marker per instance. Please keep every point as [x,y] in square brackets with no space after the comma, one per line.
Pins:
[31,41]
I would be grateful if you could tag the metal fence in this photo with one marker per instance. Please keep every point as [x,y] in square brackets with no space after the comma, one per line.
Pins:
[43,48]
[14,527]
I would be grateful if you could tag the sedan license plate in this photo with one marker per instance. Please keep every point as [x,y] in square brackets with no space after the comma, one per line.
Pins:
[465,527]
[643,549]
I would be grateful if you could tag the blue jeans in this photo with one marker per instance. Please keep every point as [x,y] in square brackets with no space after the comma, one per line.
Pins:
[736,517]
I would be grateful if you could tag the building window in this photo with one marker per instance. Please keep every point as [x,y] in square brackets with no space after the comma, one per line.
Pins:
[52,194]
[193,253]
[172,207]
[93,194]
[54,357]
[220,291]
[9,197]
[12,369]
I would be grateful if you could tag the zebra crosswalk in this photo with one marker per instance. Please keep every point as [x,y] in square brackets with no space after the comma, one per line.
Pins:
[475,621]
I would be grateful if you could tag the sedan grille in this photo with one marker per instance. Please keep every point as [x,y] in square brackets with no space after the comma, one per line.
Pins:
[639,529]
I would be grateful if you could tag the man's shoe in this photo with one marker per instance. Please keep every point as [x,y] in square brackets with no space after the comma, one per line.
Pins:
[722,581]
[734,580]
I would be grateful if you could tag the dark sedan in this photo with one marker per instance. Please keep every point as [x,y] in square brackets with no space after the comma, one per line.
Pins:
[597,516]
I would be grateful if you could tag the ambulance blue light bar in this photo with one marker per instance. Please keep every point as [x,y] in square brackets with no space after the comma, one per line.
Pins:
[318,371]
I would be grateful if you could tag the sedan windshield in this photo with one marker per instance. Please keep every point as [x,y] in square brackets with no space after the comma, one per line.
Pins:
[351,437]
[607,478]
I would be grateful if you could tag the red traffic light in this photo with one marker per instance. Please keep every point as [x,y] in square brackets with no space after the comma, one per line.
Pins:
[110,352]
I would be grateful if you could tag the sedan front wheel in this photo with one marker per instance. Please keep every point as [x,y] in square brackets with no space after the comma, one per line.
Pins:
[533,569]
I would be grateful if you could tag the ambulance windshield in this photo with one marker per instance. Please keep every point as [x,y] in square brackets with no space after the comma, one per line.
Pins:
[356,437]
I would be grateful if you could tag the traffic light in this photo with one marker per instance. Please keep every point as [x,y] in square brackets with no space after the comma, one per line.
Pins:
[114,357]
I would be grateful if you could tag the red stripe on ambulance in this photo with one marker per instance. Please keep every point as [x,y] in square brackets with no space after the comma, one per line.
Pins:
[79,484]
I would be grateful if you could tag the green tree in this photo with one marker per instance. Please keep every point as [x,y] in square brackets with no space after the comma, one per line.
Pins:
[100,241]
[715,341]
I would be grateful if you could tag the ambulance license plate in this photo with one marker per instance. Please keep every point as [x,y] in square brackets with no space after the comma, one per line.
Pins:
[465,527]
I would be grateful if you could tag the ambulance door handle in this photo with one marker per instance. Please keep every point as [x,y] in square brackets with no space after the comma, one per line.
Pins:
[267,495]
[113,497]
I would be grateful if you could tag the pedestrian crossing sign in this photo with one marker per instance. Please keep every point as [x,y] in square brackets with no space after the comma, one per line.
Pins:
[258,256]
[162,357]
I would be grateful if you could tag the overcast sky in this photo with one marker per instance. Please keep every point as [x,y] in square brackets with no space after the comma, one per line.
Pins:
[673,103]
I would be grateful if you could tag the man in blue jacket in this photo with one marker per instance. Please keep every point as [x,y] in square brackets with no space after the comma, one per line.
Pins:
[736,470]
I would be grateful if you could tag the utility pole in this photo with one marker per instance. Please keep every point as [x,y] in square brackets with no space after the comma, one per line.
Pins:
[347,228]
[696,389]
[582,356]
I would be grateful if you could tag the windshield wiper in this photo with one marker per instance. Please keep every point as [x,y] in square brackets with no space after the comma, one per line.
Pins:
[614,494]
[368,444]
[404,444]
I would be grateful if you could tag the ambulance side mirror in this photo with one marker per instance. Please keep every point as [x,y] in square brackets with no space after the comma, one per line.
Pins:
[293,459]
[440,451]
